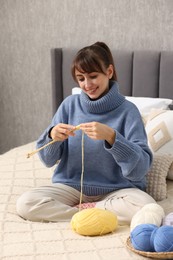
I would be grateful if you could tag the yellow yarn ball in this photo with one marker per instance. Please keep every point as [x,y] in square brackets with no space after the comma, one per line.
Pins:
[94,222]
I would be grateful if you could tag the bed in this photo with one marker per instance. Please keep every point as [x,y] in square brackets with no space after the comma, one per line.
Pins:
[144,74]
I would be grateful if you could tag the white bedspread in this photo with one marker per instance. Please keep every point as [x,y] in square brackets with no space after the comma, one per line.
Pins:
[25,240]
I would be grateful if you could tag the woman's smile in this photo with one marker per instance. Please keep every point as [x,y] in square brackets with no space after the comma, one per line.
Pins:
[94,84]
[92,91]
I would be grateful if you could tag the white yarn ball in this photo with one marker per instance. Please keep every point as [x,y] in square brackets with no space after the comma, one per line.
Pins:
[149,214]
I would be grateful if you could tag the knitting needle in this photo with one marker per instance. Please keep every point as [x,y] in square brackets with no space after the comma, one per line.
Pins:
[53,141]
[39,149]
[76,128]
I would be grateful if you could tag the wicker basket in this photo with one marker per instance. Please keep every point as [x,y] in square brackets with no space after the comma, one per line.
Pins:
[160,255]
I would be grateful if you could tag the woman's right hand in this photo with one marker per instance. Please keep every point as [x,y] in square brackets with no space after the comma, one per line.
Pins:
[62,131]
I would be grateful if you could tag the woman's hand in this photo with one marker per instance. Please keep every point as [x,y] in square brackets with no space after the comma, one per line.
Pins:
[98,131]
[61,132]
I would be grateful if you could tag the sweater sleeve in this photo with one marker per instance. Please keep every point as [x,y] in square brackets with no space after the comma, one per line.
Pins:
[131,151]
[52,153]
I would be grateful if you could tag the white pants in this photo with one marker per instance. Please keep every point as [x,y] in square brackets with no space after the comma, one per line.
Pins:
[57,203]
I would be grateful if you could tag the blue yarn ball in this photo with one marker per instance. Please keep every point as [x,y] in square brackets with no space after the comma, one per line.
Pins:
[141,236]
[152,238]
[163,239]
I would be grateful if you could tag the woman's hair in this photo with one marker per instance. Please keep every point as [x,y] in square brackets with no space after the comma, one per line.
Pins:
[94,58]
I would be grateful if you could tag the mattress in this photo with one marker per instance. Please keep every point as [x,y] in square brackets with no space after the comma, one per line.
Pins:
[25,240]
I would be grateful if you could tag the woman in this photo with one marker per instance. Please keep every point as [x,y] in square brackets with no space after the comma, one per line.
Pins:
[116,155]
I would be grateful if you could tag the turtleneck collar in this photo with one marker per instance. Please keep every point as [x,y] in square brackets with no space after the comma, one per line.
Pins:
[108,102]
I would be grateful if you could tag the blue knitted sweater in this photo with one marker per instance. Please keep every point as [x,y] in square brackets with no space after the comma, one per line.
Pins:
[106,168]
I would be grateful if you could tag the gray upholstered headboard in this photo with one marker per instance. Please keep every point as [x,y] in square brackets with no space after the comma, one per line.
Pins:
[140,73]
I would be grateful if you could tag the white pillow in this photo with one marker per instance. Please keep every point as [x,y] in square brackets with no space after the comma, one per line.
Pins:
[159,129]
[145,104]
[76,90]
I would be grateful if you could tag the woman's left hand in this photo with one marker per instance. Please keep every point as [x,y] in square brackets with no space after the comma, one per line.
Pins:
[98,131]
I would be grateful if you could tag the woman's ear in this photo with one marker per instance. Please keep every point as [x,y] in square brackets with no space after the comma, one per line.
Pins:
[110,71]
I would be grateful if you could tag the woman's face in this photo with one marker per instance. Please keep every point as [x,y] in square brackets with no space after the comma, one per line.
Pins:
[94,84]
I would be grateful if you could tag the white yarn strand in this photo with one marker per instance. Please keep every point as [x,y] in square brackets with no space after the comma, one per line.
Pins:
[82,173]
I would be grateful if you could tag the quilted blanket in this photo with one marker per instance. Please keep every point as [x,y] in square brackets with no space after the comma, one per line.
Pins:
[25,240]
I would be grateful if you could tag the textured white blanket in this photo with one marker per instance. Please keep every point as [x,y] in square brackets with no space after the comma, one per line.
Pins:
[25,240]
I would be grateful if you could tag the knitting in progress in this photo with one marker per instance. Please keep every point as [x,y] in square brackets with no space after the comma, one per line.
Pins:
[88,222]
[52,142]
